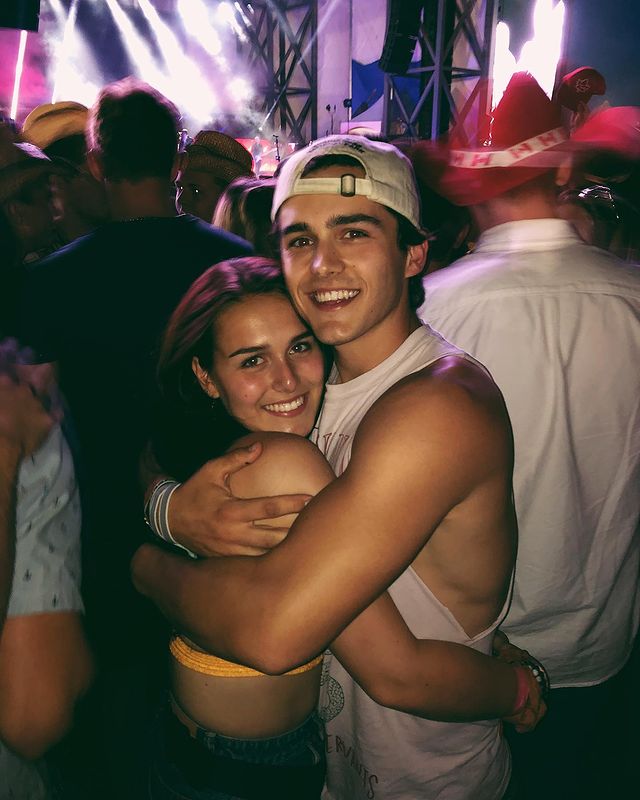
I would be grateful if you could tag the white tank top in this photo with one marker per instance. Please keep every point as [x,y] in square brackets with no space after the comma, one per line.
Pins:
[375,752]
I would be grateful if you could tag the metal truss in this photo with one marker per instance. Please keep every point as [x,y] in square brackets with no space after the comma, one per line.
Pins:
[284,54]
[445,24]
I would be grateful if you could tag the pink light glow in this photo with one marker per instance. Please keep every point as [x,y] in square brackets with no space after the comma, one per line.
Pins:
[18,75]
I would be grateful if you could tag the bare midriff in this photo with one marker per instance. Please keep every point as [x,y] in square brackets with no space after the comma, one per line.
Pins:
[254,707]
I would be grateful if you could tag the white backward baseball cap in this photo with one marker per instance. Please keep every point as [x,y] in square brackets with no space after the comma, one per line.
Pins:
[389,177]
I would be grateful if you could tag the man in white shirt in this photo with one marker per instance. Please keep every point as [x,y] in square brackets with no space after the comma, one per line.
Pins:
[557,323]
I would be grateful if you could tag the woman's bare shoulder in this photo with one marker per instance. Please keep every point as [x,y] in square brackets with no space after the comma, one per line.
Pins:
[288,464]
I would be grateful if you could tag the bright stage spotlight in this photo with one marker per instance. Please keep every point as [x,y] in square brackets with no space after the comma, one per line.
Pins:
[240,88]
[539,56]
[195,18]
[22,46]
[139,52]
[226,14]
[195,95]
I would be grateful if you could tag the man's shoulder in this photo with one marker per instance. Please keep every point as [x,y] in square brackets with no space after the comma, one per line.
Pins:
[72,253]
[198,229]
[438,394]
[573,268]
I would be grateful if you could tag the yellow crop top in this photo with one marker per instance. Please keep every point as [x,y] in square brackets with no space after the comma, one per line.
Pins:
[207,664]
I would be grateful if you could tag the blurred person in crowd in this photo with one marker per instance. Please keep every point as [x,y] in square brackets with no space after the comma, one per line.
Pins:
[212,161]
[79,199]
[45,663]
[256,153]
[557,324]
[27,224]
[97,308]
[245,209]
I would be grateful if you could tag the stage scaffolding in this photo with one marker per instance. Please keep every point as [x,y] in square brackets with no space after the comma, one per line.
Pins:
[456,44]
[284,57]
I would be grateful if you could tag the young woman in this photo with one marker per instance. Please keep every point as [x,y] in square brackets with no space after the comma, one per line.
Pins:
[237,364]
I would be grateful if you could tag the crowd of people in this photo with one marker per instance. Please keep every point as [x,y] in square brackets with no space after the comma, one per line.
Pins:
[324,484]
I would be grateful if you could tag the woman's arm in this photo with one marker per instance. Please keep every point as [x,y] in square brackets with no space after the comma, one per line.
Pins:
[434,679]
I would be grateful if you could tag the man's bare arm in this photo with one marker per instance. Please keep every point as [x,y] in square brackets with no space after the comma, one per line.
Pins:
[204,516]
[406,474]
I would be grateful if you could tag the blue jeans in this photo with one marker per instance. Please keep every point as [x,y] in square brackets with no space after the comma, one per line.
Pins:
[209,766]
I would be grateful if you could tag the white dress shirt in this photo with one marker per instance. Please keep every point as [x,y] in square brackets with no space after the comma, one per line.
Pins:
[557,323]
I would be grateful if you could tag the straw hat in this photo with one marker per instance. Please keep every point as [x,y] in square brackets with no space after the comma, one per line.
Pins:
[50,122]
[212,151]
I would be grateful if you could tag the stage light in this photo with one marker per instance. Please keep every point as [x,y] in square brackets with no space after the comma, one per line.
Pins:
[139,52]
[539,56]
[194,93]
[241,89]
[226,14]
[63,52]
[18,74]
[504,62]
[195,17]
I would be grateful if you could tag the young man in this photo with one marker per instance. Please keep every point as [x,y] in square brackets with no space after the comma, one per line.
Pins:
[420,440]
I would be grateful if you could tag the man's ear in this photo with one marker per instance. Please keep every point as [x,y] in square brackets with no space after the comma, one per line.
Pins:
[94,163]
[15,212]
[204,379]
[179,165]
[416,259]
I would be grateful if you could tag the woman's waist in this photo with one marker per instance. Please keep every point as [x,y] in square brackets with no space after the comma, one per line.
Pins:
[235,701]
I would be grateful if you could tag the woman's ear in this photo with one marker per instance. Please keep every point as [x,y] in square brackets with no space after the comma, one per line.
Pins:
[204,379]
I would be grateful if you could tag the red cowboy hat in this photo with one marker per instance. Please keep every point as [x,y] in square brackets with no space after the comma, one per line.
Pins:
[525,140]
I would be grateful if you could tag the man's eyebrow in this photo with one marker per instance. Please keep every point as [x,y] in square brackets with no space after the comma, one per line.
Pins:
[296,227]
[350,219]
[333,222]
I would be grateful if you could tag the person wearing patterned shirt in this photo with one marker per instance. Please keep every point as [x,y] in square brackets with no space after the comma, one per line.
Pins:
[40,603]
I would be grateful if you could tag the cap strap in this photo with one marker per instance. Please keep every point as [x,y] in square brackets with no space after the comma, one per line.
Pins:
[346,185]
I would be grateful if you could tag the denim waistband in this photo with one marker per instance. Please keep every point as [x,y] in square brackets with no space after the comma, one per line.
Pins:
[270,750]
[290,766]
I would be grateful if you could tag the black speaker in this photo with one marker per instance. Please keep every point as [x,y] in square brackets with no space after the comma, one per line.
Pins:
[403,24]
[24,15]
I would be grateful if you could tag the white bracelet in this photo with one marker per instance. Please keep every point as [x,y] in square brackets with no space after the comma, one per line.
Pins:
[157,512]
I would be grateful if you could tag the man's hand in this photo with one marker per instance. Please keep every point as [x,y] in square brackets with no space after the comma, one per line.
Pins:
[24,422]
[206,518]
